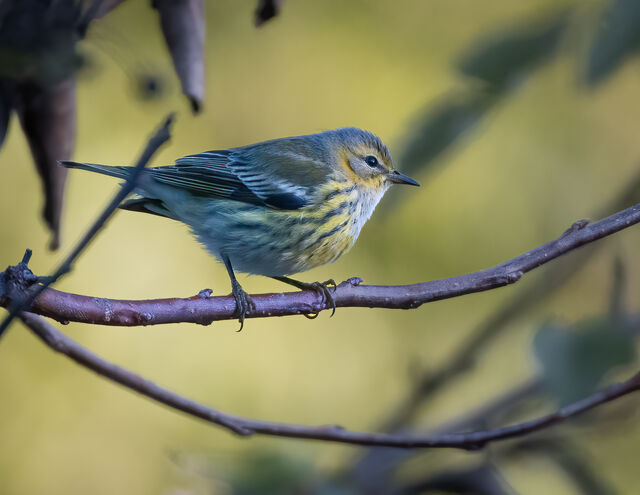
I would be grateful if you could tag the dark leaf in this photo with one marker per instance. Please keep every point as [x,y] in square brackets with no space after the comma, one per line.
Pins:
[183,26]
[502,60]
[95,10]
[257,471]
[618,290]
[266,10]
[5,111]
[441,126]
[574,360]
[616,39]
[100,8]
[572,459]
[479,480]
[38,40]
[48,118]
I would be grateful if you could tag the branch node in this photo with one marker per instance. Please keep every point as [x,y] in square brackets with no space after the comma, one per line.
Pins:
[353,282]
[205,322]
[513,277]
[27,256]
[579,225]
[240,430]
[17,279]
[501,279]
[329,429]
[204,293]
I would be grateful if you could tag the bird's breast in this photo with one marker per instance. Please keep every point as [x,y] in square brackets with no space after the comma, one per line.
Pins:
[332,226]
[269,241]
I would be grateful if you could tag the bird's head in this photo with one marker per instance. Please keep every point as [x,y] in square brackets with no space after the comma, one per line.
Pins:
[365,159]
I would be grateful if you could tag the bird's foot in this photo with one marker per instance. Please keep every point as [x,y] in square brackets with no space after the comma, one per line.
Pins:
[320,288]
[323,288]
[244,304]
[324,291]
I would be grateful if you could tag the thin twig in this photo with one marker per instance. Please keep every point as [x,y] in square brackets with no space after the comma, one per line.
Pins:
[375,469]
[430,381]
[332,433]
[204,310]
[158,139]
[571,458]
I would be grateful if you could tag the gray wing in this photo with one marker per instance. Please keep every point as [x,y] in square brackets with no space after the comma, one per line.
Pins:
[225,175]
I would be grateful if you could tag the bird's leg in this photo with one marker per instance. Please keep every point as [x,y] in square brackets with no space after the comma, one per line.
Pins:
[243,301]
[321,288]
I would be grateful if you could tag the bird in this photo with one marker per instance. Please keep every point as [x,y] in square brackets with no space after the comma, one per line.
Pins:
[274,208]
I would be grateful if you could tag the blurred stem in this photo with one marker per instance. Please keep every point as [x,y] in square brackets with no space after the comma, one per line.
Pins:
[462,360]
[374,471]
[619,280]
[329,433]
[570,458]
[160,137]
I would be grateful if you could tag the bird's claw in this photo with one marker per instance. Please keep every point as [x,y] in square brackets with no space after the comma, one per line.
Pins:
[322,288]
[244,303]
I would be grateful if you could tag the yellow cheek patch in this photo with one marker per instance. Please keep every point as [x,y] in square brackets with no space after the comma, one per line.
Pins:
[376,180]
[344,161]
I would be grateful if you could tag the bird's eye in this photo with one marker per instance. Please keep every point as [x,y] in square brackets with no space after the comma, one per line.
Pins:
[372,161]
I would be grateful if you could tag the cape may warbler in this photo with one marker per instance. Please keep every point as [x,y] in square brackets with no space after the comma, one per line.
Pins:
[273,208]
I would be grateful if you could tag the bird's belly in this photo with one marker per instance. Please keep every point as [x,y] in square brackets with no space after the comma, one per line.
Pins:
[269,242]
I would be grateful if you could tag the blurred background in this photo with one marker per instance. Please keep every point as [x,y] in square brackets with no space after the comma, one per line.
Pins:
[518,118]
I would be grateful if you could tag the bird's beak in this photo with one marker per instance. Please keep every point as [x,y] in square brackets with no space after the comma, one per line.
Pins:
[398,178]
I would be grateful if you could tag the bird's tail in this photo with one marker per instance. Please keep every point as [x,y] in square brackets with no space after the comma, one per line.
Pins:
[143,204]
[119,172]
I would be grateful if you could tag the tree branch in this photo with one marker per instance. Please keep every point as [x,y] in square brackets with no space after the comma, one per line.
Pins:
[431,381]
[333,433]
[204,309]
[17,304]
[374,471]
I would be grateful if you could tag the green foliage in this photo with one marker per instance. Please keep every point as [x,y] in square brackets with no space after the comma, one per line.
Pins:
[502,60]
[575,359]
[616,39]
[270,472]
[442,125]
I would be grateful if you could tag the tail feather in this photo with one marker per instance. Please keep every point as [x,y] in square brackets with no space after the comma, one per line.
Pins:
[119,172]
[142,204]
[147,205]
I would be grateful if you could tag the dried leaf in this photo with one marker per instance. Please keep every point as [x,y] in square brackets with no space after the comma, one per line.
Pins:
[266,10]
[48,117]
[183,26]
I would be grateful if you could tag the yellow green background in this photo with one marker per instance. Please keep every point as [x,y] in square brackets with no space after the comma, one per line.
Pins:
[549,154]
